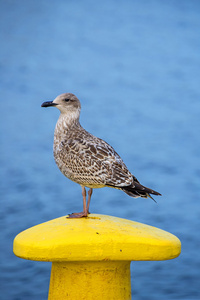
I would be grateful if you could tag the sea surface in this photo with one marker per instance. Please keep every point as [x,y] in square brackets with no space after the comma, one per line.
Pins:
[135,66]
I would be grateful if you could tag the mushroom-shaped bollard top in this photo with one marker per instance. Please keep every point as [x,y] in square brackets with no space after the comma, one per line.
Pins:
[91,256]
[95,238]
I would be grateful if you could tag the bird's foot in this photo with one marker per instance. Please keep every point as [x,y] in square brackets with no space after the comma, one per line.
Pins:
[77,215]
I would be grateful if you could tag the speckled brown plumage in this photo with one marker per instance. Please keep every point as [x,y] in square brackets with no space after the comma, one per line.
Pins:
[86,159]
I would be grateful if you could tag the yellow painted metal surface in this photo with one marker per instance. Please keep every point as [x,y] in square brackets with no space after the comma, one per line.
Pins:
[96,238]
[90,281]
[91,256]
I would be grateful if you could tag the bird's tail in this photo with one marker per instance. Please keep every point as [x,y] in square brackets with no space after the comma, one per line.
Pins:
[137,190]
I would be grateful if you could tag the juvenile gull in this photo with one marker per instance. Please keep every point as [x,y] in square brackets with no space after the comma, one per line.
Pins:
[86,159]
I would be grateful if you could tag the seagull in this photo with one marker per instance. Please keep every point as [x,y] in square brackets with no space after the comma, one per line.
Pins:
[87,159]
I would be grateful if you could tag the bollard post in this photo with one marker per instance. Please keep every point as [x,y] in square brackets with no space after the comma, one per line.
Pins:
[91,256]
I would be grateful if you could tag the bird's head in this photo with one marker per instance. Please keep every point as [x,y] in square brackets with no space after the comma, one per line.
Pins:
[67,103]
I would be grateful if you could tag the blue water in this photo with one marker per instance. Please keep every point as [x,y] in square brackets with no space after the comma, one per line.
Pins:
[135,66]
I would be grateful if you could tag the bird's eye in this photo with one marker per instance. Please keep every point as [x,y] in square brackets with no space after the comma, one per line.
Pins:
[66,100]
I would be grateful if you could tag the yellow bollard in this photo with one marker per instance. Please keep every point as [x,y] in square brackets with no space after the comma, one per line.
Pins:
[91,256]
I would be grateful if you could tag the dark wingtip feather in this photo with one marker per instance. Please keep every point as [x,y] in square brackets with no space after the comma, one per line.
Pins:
[152,198]
[138,190]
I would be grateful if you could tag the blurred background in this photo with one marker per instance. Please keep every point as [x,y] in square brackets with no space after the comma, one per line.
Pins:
[135,66]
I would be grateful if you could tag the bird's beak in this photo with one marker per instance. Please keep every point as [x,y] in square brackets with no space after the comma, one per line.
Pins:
[48,103]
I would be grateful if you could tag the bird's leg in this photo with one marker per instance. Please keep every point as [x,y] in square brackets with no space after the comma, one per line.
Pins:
[84,212]
[84,200]
[89,198]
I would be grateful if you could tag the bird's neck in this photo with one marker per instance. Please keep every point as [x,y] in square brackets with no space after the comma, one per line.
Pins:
[67,121]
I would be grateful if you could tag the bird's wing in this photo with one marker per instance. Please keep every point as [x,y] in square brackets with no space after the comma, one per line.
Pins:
[98,157]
